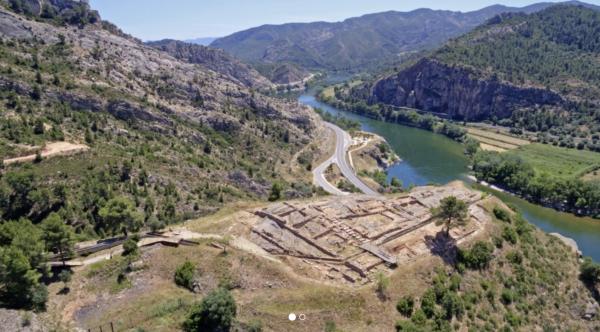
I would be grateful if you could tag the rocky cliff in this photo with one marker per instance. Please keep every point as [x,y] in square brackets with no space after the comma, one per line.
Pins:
[460,92]
[213,59]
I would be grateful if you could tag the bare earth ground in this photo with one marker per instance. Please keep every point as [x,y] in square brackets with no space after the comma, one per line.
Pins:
[266,286]
[51,150]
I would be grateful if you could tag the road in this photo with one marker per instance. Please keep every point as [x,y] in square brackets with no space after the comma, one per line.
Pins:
[343,142]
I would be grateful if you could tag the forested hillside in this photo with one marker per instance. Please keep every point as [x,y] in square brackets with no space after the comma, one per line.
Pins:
[536,72]
[167,140]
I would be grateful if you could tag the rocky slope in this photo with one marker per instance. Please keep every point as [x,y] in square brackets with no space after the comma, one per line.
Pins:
[214,59]
[357,43]
[176,138]
[284,73]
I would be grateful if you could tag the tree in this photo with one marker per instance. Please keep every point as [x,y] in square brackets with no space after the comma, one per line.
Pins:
[18,279]
[382,285]
[275,192]
[215,313]
[65,277]
[120,214]
[58,236]
[590,271]
[26,237]
[452,211]
[184,275]
[130,247]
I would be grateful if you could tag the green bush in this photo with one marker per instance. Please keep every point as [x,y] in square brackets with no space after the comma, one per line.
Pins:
[419,317]
[453,305]
[509,234]
[406,326]
[478,257]
[406,305]
[428,303]
[184,275]
[216,313]
[515,257]
[508,296]
[502,214]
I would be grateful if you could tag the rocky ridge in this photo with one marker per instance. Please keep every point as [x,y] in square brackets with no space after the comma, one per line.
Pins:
[214,59]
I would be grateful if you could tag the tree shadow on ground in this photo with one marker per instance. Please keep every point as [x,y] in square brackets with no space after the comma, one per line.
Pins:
[64,291]
[443,246]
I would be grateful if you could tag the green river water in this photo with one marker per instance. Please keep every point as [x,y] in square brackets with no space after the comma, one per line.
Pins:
[429,158]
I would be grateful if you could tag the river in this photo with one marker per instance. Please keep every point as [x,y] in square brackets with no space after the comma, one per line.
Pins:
[429,158]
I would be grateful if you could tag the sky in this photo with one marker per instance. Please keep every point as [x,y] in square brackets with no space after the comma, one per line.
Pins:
[187,19]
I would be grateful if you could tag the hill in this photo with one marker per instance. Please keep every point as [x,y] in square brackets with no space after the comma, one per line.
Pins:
[357,43]
[205,41]
[213,59]
[506,275]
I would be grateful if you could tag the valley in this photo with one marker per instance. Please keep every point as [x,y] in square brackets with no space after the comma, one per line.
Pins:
[426,170]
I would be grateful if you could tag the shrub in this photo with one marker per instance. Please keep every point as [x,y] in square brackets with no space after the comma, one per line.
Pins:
[419,317]
[215,313]
[406,305]
[330,326]
[478,257]
[508,296]
[39,296]
[455,281]
[428,303]
[515,257]
[509,234]
[501,214]
[254,326]
[406,326]
[184,275]
[383,283]
[453,305]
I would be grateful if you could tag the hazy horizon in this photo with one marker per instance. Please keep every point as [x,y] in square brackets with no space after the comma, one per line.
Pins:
[153,20]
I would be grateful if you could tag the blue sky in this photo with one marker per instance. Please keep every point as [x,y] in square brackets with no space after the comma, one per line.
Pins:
[184,19]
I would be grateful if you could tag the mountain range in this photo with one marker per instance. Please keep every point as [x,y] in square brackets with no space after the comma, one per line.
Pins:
[358,43]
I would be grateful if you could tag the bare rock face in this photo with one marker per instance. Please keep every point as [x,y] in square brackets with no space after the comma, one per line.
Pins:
[461,93]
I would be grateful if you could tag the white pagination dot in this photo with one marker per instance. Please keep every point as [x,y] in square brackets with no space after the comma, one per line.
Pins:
[292,316]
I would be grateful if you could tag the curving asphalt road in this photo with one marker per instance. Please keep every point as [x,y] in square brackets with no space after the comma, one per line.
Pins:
[343,142]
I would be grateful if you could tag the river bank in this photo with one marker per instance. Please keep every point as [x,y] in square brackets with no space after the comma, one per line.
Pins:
[430,158]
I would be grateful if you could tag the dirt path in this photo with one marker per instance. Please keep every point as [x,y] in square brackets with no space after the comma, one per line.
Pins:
[51,150]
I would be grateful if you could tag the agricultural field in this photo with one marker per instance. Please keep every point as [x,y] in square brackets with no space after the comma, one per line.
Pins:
[495,141]
[557,161]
